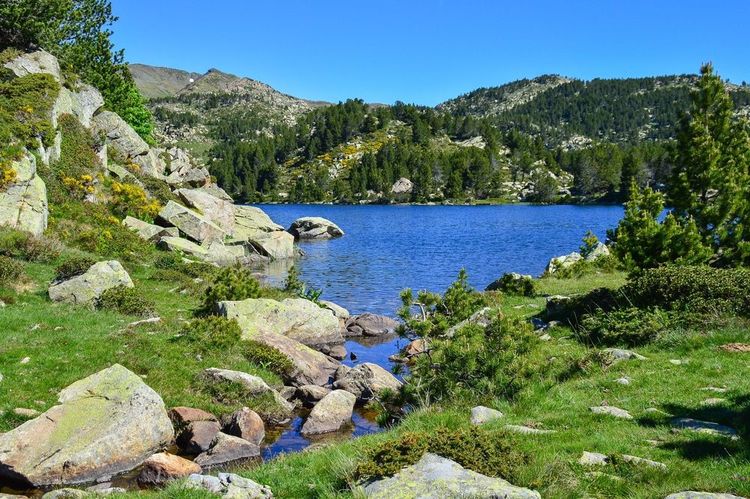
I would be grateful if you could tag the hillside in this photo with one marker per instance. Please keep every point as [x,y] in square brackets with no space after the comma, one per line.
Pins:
[155,81]
[572,113]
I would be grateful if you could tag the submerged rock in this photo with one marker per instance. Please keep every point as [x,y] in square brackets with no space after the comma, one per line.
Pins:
[88,287]
[315,228]
[105,424]
[437,477]
[330,414]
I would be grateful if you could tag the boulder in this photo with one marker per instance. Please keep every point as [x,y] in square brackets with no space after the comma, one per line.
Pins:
[214,252]
[218,211]
[149,232]
[562,262]
[370,325]
[481,414]
[297,318]
[330,414]
[435,476]
[105,424]
[226,449]
[88,100]
[150,164]
[310,395]
[277,245]
[249,221]
[23,203]
[183,172]
[253,385]
[88,287]
[415,347]
[244,423]
[402,186]
[598,251]
[315,228]
[229,486]
[192,224]
[309,367]
[119,134]
[39,62]
[340,312]
[593,459]
[162,467]
[217,192]
[366,381]
[194,429]
[619,354]
[609,410]
[706,427]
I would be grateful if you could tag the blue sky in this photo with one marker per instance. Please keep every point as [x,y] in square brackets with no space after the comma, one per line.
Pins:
[428,51]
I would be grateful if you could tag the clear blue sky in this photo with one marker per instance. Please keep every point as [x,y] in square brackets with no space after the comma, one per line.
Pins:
[428,51]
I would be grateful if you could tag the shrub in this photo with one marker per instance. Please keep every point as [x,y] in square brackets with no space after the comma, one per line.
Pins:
[131,199]
[267,357]
[293,284]
[514,284]
[698,289]
[230,284]
[18,244]
[628,327]
[25,106]
[476,362]
[126,301]
[485,452]
[73,267]
[211,333]
[11,270]
[573,310]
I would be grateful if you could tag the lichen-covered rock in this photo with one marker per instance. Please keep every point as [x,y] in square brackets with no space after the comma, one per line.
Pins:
[250,221]
[370,325]
[244,423]
[119,134]
[23,204]
[435,477]
[310,395]
[163,467]
[598,251]
[88,287]
[402,186]
[297,318]
[707,427]
[105,424]
[330,414]
[613,411]
[253,385]
[278,245]
[229,486]
[39,62]
[340,312]
[366,381]
[213,252]
[481,414]
[563,262]
[218,211]
[315,228]
[149,232]
[226,449]
[194,225]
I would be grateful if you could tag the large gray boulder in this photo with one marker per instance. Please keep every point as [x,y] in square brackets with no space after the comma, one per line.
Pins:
[105,424]
[296,318]
[278,245]
[368,324]
[315,228]
[250,221]
[331,414]
[218,211]
[23,204]
[194,225]
[119,134]
[366,381]
[562,262]
[149,232]
[402,186]
[229,486]
[39,62]
[226,449]
[88,287]
[437,477]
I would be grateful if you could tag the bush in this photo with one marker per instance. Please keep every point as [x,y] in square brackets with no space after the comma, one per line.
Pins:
[11,270]
[73,267]
[126,301]
[485,452]
[573,310]
[476,363]
[267,357]
[25,106]
[22,245]
[131,199]
[628,327]
[514,284]
[230,284]
[698,289]
[211,333]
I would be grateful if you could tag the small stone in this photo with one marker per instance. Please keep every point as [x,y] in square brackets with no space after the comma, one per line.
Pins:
[26,413]
[481,415]
[527,430]
[623,381]
[644,462]
[713,401]
[152,320]
[620,354]
[25,360]
[705,427]
[655,411]
[678,362]
[545,337]
[611,411]
[593,459]
[714,389]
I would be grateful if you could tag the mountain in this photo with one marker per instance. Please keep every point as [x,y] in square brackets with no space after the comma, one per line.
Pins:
[572,112]
[155,82]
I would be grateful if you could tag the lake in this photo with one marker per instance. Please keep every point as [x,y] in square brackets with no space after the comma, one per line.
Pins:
[388,248]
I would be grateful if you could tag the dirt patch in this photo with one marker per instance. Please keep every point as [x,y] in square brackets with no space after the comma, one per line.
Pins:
[736,347]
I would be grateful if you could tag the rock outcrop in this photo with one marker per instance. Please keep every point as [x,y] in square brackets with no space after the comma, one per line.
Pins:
[436,476]
[88,287]
[309,366]
[190,223]
[330,414]
[105,424]
[297,318]
[218,211]
[562,262]
[23,203]
[315,228]
[402,186]
[149,232]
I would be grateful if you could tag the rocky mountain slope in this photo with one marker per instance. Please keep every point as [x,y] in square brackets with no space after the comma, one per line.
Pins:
[155,82]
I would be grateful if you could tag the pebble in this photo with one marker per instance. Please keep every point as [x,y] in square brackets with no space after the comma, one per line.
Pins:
[623,381]
[26,413]
[611,411]
[678,362]
[25,360]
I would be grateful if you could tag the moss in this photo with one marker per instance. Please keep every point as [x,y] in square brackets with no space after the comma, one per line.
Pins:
[25,106]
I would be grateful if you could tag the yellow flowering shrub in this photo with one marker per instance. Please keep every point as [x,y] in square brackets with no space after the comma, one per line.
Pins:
[131,199]
[7,176]
[81,186]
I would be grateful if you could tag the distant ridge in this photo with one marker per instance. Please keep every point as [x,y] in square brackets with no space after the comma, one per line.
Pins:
[155,81]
